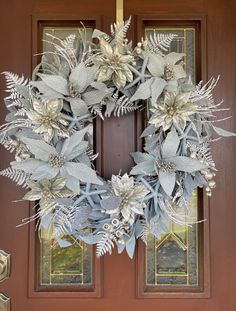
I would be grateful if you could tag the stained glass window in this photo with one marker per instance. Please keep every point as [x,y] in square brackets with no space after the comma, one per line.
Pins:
[173,260]
[65,266]
[72,265]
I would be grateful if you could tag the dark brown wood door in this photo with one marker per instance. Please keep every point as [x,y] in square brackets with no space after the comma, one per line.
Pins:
[119,283]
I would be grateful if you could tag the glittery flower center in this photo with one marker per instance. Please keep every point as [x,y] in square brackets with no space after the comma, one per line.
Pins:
[46,120]
[74,93]
[56,160]
[171,111]
[125,200]
[115,61]
[46,194]
[165,166]
[169,73]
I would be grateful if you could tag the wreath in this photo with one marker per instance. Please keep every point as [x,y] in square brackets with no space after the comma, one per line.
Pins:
[49,129]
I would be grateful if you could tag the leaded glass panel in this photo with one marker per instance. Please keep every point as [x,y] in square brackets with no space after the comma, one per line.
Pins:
[72,265]
[173,260]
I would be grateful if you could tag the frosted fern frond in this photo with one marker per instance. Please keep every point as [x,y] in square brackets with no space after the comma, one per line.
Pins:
[204,91]
[119,30]
[9,144]
[42,211]
[19,123]
[203,152]
[64,48]
[68,43]
[123,105]
[144,233]
[203,97]
[159,42]
[17,87]
[105,245]
[20,113]
[91,155]
[18,176]
[97,111]
[63,219]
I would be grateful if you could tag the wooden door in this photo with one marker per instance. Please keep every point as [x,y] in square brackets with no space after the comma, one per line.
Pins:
[119,283]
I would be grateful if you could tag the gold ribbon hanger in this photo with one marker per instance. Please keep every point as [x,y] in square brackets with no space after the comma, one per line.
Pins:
[119,11]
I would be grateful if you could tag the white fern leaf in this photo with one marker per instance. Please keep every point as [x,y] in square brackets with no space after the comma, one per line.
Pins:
[63,219]
[20,113]
[17,86]
[123,106]
[144,233]
[119,30]
[91,155]
[105,245]
[9,144]
[204,91]
[97,110]
[64,48]
[18,176]
[159,42]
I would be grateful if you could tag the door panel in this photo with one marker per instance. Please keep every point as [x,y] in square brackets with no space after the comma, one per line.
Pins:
[218,59]
[119,280]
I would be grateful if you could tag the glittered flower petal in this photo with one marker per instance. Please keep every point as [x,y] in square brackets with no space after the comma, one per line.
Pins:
[167,181]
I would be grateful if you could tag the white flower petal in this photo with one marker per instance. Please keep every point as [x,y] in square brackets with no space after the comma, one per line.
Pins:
[179,72]
[28,166]
[82,172]
[45,171]
[167,181]
[171,144]
[79,77]
[39,148]
[106,48]
[156,65]
[173,57]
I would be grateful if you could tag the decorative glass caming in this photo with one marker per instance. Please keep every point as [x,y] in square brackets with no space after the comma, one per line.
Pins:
[62,33]
[65,266]
[72,265]
[173,260]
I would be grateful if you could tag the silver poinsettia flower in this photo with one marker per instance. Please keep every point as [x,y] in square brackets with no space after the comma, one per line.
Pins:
[165,73]
[173,108]
[46,118]
[79,89]
[127,198]
[166,163]
[113,65]
[68,160]
[47,190]
[166,67]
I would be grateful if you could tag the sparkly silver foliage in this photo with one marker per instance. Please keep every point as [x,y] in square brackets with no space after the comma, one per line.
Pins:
[113,65]
[46,118]
[173,108]
[48,128]
[130,196]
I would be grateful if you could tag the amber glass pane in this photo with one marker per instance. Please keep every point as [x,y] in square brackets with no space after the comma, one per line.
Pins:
[72,265]
[65,266]
[173,260]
